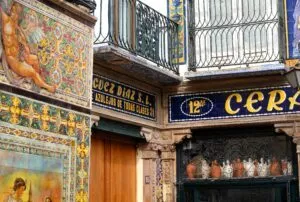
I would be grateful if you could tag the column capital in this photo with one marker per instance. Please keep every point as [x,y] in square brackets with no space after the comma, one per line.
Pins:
[179,135]
[148,133]
[291,129]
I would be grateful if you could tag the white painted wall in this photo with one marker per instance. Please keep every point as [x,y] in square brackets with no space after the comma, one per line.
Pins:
[159,5]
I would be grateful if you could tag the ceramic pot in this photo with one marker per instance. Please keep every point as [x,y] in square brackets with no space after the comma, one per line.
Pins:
[191,170]
[238,168]
[215,170]
[275,168]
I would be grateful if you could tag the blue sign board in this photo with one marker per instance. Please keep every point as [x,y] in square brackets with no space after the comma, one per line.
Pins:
[293,28]
[231,104]
[123,98]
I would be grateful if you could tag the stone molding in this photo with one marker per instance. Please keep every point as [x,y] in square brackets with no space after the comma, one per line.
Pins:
[95,120]
[168,155]
[149,154]
[157,147]
[179,135]
[291,129]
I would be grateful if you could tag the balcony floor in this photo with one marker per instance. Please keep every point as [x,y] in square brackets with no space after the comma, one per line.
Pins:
[122,61]
[204,74]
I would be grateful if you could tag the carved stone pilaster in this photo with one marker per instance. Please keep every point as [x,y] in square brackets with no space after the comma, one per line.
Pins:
[168,155]
[179,135]
[168,175]
[159,169]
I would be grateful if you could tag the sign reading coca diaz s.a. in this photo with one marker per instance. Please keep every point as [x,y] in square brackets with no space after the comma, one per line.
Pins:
[230,104]
[120,97]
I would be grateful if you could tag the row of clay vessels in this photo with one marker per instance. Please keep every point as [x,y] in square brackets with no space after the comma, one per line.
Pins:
[240,168]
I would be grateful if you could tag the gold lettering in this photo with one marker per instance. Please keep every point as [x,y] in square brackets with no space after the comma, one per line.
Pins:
[112,87]
[293,100]
[251,100]
[95,83]
[106,84]
[274,101]
[140,97]
[228,108]
[119,91]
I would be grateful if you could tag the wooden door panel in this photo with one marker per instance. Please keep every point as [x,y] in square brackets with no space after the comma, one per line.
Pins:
[113,171]
[97,171]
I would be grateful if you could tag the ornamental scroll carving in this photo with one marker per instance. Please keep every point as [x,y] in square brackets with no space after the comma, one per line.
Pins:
[291,129]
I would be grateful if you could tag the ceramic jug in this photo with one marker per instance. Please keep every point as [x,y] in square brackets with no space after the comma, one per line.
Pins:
[228,170]
[250,168]
[191,170]
[284,166]
[215,170]
[289,168]
[238,168]
[262,168]
[275,168]
[205,169]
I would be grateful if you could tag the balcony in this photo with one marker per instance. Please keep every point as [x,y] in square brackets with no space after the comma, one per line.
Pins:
[234,35]
[134,39]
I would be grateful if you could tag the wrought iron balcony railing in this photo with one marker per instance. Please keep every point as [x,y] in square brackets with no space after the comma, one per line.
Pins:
[89,4]
[235,32]
[136,27]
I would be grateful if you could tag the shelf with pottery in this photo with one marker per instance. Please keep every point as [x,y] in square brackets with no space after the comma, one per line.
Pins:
[239,181]
[239,171]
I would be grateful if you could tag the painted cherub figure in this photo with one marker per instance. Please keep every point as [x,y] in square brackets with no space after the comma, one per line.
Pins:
[16,50]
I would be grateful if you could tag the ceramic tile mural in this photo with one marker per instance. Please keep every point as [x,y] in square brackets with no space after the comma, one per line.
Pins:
[44,147]
[176,12]
[45,51]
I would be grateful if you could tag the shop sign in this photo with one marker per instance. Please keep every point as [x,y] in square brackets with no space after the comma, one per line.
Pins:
[231,104]
[120,97]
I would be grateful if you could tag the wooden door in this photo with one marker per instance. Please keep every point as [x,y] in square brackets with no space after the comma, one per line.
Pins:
[112,170]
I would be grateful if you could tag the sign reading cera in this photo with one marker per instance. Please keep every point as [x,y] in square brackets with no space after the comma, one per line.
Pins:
[230,104]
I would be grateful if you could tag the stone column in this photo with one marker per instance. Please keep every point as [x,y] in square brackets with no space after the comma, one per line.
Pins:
[159,163]
[168,177]
[150,188]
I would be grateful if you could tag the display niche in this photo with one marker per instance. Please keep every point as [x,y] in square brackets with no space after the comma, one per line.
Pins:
[232,155]
[228,160]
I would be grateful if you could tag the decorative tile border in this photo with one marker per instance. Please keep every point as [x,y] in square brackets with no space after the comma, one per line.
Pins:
[38,121]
